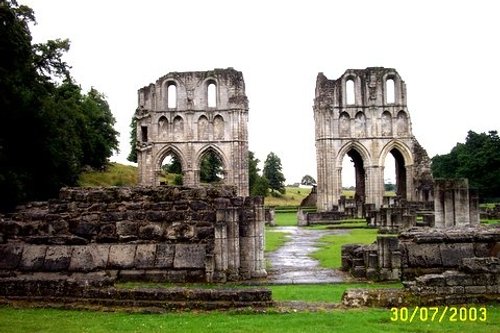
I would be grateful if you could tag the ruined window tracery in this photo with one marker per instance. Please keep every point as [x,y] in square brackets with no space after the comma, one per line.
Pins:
[163,127]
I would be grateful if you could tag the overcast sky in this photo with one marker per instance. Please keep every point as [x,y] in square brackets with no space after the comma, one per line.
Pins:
[447,52]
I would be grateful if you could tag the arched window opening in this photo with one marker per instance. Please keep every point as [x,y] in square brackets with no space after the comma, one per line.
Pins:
[163,127]
[212,95]
[211,168]
[399,173]
[171,170]
[203,128]
[353,183]
[386,124]
[390,92]
[218,128]
[344,125]
[172,96]
[350,95]
[402,123]
[390,176]
[178,127]
[144,133]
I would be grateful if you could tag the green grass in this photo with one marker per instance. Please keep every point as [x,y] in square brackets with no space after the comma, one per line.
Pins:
[293,197]
[327,293]
[492,221]
[329,254]
[286,219]
[352,320]
[115,175]
[274,239]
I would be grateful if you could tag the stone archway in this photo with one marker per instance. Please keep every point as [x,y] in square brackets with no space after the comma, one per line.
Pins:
[209,109]
[373,125]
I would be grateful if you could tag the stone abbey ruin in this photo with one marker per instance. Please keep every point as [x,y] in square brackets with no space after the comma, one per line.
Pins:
[75,248]
[189,114]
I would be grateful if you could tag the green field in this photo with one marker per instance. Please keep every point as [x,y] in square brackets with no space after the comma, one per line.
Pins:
[341,320]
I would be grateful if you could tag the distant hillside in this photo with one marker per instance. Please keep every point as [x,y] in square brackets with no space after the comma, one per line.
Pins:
[115,175]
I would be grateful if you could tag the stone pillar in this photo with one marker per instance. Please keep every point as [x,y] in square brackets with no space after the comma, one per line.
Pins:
[473,207]
[233,244]
[452,203]
[220,242]
[251,232]
[374,186]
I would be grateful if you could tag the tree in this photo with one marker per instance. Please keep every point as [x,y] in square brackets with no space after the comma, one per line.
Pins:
[132,157]
[49,130]
[211,168]
[258,185]
[478,159]
[100,136]
[308,180]
[273,173]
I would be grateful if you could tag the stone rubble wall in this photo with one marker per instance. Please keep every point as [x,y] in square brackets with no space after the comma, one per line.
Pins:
[436,266]
[175,234]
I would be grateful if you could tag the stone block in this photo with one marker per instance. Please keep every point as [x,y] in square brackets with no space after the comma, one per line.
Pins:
[151,231]
[33,257]
[475,289]
[452,254]
[423,255]
[454,278]
[145,256]
[126,228]
[190,256]
[431,280]
[57,258]
[10,256]
[165,255]
[89,258]
[122,256]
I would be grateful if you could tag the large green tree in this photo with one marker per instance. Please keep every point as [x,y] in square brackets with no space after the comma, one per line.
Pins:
[478,159]
[257,184]
[273,173]
[49,130]
[211,167]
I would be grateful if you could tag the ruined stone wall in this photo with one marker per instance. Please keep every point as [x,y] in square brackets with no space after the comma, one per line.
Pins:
[367,127]
[163,233]
[175,117]
[418,252]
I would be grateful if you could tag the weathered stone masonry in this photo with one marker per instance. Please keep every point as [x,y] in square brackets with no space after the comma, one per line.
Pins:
[174,234]
[175,116]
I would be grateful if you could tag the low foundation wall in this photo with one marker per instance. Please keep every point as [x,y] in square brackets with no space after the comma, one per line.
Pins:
[174,234]
[436,266]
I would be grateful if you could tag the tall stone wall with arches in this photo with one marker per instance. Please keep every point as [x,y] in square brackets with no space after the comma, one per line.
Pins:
[363,115]
[188,114]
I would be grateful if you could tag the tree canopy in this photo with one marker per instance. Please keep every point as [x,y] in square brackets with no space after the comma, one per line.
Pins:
[308,180]
[211,170]
[257,183]
[49,129]
[273,173]
[478,159]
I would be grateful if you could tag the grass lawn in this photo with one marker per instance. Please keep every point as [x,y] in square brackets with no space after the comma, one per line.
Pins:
[352,320]
[329,254]
[274,239]
[286,219]
[327,293]
[115,175]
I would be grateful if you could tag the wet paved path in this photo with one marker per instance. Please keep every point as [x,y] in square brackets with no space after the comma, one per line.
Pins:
[291,263]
